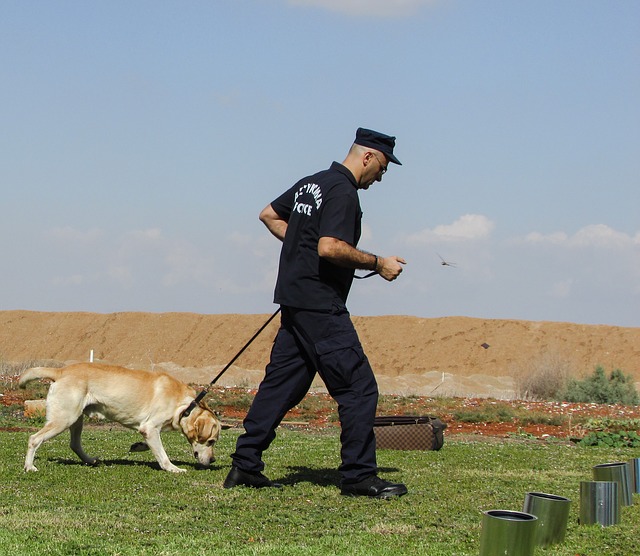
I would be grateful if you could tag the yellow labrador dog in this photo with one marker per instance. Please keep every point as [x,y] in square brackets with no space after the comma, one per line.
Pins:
[146,401]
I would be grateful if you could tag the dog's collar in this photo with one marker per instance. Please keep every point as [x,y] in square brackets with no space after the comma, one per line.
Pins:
[193,404]
[188,410]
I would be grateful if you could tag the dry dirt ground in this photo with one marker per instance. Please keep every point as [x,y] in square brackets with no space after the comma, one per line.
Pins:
[450,356]
[466,358]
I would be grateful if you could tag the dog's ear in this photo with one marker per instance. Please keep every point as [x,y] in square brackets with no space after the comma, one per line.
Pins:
[206,428]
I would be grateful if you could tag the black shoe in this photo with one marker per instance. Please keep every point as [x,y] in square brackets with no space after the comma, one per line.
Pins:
[238,477]
[375,487]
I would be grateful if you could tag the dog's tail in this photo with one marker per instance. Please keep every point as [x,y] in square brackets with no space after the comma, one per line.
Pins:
[38,372]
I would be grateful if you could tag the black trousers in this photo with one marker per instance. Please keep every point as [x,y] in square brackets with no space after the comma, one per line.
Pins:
[309,342]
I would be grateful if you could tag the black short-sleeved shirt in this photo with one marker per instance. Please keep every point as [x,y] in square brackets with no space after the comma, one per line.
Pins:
[325,204]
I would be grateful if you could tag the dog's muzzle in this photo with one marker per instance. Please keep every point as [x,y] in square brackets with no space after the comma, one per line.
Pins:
[203,454]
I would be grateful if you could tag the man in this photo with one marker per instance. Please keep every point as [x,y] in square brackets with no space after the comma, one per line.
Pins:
[318,221]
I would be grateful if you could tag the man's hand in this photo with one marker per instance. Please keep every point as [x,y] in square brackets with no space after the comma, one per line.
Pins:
[390,267]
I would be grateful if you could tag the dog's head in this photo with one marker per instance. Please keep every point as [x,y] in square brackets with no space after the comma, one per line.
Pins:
[202,429]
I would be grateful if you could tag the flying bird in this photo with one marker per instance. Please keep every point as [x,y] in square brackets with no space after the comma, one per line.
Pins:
[445,263]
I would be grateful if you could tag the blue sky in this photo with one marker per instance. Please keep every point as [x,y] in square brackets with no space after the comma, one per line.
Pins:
[140,140]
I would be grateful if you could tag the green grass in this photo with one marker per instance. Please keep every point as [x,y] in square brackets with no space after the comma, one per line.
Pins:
[127,506]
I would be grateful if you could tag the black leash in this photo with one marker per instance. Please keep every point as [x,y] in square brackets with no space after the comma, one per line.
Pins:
[202,394]
[373,273]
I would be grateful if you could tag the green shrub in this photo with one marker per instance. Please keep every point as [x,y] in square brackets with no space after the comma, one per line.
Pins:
[598,388]
[611,424]
[621,439]
[536,418]
[499,413]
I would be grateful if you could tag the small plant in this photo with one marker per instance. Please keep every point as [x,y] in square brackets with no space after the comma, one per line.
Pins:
[504,413]
[598,388]
[521,434]
[542,419]
[237,399]
[494,414]
[611,425]
[471,416]
[621,439]
[312,403]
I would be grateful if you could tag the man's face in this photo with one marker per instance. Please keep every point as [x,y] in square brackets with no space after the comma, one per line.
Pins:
[374,170]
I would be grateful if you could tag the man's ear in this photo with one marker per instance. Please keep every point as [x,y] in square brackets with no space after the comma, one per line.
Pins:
[367,158]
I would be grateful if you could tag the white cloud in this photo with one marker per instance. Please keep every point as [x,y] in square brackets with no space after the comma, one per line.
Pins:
[554,276]
[556,238]
[148,258]
[120,274]
[228,98]
[241,239]
[367,233]
[562,289]
[593,235]
[150,234]
[176,261]
[601,235]
[377,8]
[184,264]
[69,235]
[469,227]
[73,280]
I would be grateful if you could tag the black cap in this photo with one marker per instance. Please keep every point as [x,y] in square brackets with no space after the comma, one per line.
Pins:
[378,141]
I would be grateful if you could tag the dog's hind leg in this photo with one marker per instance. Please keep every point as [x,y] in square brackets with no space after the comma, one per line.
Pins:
[47,432]
[76,442]
[63,410]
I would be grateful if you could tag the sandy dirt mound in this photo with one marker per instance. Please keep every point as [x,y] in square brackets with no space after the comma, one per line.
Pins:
[440,356]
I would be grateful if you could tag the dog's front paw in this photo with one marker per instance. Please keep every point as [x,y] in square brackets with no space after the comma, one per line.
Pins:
[31,467]
[174,469]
